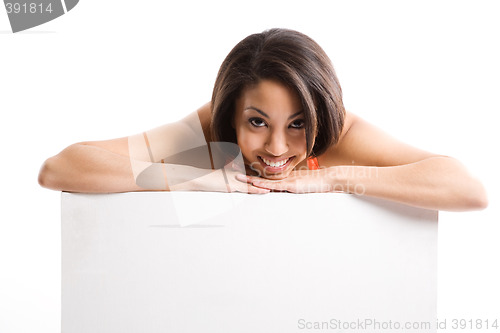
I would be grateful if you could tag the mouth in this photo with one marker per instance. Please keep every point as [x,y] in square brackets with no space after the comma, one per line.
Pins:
[275,166]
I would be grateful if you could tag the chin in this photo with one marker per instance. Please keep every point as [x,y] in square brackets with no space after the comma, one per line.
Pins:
[279,176]
[273,176]
[260,172]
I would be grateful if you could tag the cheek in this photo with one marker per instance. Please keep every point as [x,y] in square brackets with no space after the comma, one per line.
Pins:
[299,144]
[247,141]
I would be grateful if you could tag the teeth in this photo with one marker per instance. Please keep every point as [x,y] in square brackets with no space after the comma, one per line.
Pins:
[275,164]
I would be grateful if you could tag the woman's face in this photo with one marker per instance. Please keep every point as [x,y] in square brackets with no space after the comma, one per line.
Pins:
[270,129]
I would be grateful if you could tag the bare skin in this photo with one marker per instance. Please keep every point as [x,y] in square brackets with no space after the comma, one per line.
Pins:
[269,130]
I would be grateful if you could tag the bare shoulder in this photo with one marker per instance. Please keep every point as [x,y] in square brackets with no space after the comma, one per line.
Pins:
[362,143]
[205,116]
[194,129]
[333,155]
[349,120]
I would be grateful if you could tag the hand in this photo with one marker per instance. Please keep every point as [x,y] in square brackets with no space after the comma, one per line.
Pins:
[235,185]
[300,181]
[220,180]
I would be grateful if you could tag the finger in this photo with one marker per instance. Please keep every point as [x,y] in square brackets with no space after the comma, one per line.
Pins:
[265,184]
[271,185]
[249,179]
[244,178]
[237,167]
[244,187]
[252,190]
[257,190]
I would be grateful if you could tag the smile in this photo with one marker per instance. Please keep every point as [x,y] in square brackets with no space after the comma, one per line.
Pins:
[275,166]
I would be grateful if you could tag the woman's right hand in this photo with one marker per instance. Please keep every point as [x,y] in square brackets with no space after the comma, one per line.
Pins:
[219,180]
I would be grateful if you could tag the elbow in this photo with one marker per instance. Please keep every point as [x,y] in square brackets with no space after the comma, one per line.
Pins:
[468,192]
[475,197]
[480,200]
[47,176]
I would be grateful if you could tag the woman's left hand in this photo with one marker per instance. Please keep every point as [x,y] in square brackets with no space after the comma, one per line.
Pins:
[301,181]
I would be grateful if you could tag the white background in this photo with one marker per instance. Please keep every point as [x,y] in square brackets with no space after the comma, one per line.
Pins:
[425,71]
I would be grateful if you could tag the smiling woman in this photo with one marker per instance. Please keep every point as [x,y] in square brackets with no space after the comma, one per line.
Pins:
[272,142]
[276,122]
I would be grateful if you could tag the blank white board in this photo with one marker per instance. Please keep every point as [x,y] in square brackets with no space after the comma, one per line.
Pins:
[224,262]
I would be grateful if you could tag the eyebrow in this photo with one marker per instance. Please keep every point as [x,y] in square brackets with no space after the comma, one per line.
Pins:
[265,114]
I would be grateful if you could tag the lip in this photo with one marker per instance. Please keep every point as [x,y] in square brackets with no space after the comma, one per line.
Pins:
[271,169]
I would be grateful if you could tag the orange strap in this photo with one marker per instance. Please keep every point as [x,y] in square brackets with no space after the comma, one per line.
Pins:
[312,163]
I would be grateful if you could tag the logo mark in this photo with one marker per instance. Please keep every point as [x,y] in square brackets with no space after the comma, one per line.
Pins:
[28,14]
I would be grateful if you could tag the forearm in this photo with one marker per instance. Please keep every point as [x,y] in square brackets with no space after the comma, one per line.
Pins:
[90,169]
[440,183]
[85,168]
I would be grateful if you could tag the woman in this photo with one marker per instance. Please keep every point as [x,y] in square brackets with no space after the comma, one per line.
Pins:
[278,99]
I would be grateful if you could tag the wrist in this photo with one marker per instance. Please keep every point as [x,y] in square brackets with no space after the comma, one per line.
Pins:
[185,177]
[195,179]
[354,179]
[337,179]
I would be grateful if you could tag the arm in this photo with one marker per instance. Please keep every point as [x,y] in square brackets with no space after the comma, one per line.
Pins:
[392,170]
[90,167]
[136,163]
[367,161]
[439,182]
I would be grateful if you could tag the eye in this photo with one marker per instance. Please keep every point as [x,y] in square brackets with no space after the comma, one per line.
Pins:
[299,123]
[257,122]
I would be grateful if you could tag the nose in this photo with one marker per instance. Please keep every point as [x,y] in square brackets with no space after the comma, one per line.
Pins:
[276,144]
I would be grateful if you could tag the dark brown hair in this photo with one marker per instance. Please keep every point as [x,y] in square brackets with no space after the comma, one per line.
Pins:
[294,60]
